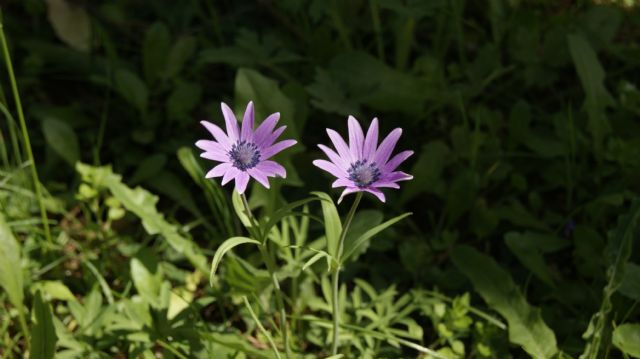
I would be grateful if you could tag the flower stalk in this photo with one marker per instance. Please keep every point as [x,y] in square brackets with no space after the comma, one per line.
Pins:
[25,133]
[271,268]
[336,274]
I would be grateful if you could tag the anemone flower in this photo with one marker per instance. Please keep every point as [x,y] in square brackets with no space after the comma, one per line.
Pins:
[243,151]
[363,166]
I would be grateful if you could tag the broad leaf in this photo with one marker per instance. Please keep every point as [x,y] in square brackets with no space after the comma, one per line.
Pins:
[592,77]
[155,50]
[529,247]
[132,89]
[10,269]
[495,285]
[630,285]
[71,23]
[627,338]
[61,137]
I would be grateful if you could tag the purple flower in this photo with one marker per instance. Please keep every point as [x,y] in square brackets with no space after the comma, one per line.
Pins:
[244,153]
[363,165]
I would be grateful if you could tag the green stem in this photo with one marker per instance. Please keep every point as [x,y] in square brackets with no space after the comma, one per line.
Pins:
[23,326]
[261,327]
[271,268]
[336,274]
[25,134]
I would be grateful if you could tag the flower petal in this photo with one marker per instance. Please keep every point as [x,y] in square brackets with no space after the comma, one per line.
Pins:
[340,145]
[342,182]
[371,141]
[231,122]
[275,148]
[271,169]
[397,176]
[396,160]
[347,191]
[387,146]
[219,170]
[217,133]
[215,156]
[330,167]
[231,173]
[376,192]
[356,138]
[333,156]
[385,184]
[264,130]
[211,146]
[272,137]
[247,123]
[260,176]
[242,179]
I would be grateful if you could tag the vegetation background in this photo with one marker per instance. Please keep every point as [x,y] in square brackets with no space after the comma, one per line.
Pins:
[525,119]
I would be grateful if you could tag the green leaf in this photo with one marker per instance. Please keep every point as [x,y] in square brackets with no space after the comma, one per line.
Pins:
[147,278]
[236,343]
[592,77]
[61,137]
[155,50]
[10,268]
[283,212]
[351,247]
[185,96]
[180,53]
[54,289]
[250,85]
[529,247]
[332,223]
[143,204]
[148,168]
[213,193]
[495,285]
[43,333]
[71,23]
[617,253]
[627,338]
[132,89]
[224,248]
[630,285]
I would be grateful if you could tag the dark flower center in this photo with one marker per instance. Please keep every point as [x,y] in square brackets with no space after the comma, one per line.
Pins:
[363,173]
[244,155]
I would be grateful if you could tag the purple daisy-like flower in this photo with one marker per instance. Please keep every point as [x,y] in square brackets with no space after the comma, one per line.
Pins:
[244,153]
[362,165]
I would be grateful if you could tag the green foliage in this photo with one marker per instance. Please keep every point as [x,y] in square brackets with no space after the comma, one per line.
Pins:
[617,255]
[627,338]
[43,339]
[10,267]
[495,285]
[523,119]
[224,248]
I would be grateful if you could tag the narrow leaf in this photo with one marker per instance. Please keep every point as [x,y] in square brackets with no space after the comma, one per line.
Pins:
[43,334]
[617,254]
[351,247]
[332,223]
[224,248]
